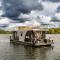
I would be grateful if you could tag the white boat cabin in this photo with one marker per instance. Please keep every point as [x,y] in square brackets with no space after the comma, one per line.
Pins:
[30,36]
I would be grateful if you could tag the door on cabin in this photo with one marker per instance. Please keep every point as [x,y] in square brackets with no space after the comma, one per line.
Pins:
[29,37]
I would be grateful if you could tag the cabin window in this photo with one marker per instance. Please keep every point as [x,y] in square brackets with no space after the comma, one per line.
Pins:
[15,36]
[21,33]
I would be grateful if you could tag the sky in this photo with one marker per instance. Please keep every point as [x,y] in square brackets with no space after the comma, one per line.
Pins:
[27,12]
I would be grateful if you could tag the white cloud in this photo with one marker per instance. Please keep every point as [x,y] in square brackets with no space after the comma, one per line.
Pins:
[32,23]
[24,16]
[50,7]
[37,16]
[57,15]
[36,19]
[44,15]
[5,20]
[0,3]
[1,12]
[1,8]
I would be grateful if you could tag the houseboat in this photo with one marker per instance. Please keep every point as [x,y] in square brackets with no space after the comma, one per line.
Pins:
[30,36]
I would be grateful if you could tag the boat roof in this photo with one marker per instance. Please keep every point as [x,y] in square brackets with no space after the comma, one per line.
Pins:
[23,28]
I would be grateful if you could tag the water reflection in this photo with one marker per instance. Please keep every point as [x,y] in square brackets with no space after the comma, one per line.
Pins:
[19,52]
[37,53]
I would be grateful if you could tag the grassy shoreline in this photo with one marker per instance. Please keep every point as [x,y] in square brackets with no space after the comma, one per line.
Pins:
[51,31]
[54,31]
[4,32]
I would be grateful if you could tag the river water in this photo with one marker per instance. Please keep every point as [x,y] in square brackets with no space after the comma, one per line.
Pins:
[17,52]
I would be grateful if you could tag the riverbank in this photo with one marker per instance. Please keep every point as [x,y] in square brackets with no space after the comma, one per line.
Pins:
[54,31]
[4,32]
[51,31]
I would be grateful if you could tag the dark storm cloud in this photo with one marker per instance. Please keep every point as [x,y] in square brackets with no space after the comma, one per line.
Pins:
[58,9]
[55,20]
[14,7]
[52,0]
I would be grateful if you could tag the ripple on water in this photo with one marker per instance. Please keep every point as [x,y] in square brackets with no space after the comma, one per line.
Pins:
[17,52]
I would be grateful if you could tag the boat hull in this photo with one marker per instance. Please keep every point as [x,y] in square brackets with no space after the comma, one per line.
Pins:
[29,44]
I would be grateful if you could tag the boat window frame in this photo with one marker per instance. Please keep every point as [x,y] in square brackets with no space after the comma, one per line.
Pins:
[21,34]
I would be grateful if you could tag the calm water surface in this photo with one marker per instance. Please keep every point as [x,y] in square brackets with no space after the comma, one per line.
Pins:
[17,52]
